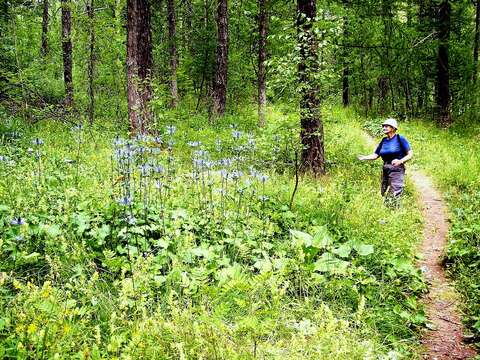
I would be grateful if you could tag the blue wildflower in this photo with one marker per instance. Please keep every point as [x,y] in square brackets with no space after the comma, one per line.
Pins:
[171,129]
[194,143]
[125,201]
[17,221]
[236,134]
[37,141]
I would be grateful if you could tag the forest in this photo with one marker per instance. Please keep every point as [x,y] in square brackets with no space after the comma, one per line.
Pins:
[180,179]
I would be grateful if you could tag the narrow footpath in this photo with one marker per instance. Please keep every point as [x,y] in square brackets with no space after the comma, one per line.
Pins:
[444,339]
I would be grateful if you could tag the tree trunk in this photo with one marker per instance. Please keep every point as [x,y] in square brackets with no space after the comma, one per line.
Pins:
[425,17]
[443,87]
[221,70]
[262,55]
[346,69]
[67,52]
[44,49]
[173,53]
[139,64]
[91,62]
[313,154]
[477,42]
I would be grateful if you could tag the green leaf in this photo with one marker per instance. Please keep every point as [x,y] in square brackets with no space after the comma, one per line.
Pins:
[53,231]
[302,238]
[328,263]
[343,250]
[364,249]
[322,238]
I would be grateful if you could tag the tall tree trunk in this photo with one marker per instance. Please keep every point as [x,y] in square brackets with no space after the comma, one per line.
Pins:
[139,64]
[443,86]
[313,154]
[91,62]
[67,51]
[262,55]
[44,49]
[346,68]
[173,53]
[425,17]
[221,70]
[477,42]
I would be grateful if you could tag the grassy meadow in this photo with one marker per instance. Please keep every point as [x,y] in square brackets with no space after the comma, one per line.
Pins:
[188,243]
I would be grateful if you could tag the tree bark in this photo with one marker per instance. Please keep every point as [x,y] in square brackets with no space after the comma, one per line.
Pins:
[262,55]
[139,64]
[313,153]
[44,49]
[221,70]
[477,42]
[443,86]
[173,53]
[67,52]
[91,62]
[425,17]
[346,68]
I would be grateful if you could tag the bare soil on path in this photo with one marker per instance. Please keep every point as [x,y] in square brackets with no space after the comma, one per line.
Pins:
[445,338]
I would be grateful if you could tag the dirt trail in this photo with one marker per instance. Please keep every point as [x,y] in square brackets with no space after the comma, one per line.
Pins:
[445,338]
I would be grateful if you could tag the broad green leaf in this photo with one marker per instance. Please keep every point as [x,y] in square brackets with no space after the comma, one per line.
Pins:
[343,250]
[322,238]
[302,238]
[328,263]
[364,249]
[53,231]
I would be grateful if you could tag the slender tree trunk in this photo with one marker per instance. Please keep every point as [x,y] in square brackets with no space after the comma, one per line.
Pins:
[173,53]
[139,64]
[91,62]
[313,154]
[262,55]
[346,68]
[443,86]
[425,16]
[44,49]
[477,41]
[67,52]
[221,71]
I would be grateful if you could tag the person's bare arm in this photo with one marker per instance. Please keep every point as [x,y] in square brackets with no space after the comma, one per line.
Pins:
[368,157]
[403,160]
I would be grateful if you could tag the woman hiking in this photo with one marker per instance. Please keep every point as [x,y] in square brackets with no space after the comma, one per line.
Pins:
[395,151]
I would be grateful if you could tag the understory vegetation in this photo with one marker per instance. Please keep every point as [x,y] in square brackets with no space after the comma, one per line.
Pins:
[450,157]
[188,243]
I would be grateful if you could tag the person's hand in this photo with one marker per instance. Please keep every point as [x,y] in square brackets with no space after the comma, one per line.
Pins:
[396,162]
[361,157]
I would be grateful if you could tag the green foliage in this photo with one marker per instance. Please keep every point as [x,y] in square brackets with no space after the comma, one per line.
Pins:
[84,271]
[458,176]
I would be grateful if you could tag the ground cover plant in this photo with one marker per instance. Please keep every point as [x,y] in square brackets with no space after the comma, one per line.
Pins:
[458,176]
[187,243]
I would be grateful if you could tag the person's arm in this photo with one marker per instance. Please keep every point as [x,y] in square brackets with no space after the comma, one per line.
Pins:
[403,160]
[373,156]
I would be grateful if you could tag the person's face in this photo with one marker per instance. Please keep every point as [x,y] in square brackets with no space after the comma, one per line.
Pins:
[387,129]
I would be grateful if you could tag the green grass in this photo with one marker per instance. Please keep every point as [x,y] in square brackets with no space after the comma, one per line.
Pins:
[190,278]
[449,156]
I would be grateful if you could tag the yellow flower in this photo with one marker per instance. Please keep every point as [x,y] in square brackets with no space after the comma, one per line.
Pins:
[32,328]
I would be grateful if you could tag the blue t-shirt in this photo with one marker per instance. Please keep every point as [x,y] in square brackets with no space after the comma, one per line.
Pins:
[394,148]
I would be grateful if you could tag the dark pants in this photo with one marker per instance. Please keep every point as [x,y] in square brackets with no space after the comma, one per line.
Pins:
[392,179]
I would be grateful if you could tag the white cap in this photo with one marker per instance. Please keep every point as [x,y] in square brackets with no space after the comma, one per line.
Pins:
[391,122]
